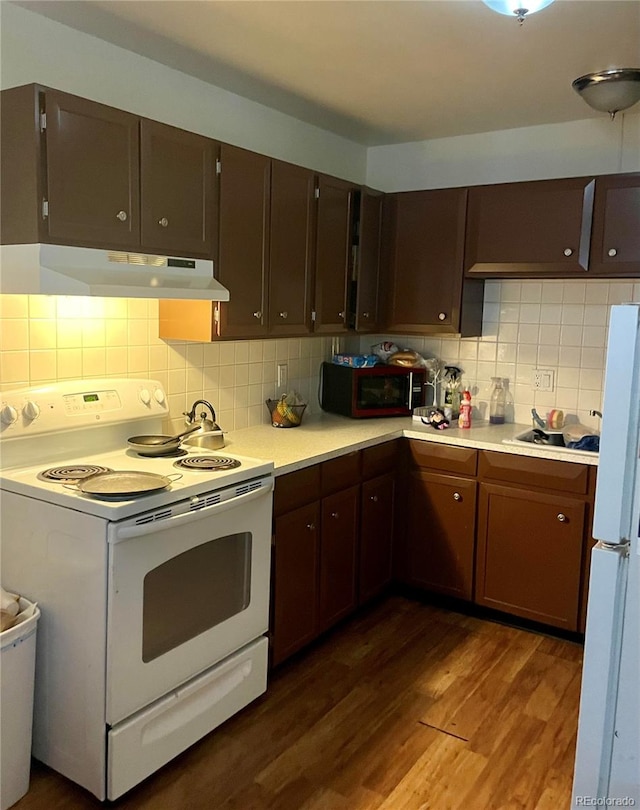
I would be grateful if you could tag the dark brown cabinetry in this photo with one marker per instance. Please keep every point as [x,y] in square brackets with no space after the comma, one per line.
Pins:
[531,525]
[333,254]
[81,173]
[368,218]
[440,521]
[423,274]
[528,230]
[338,550]
[377,513]
[615,235]
[291,232]
[243,241]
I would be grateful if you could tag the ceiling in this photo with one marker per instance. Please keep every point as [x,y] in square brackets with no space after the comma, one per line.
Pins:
[377,71]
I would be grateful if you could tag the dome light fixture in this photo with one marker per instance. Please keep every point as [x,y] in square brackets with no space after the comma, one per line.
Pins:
[517,7]
[610,90]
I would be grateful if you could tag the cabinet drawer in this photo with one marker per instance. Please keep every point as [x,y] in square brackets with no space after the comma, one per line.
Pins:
[340,473]
[443,457]
[536,472]
[379,460]
[296,489]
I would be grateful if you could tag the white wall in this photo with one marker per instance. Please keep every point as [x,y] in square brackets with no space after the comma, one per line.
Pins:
[36,49]
[573,149]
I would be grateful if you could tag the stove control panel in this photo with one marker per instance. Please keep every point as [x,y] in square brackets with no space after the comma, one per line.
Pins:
[74,404]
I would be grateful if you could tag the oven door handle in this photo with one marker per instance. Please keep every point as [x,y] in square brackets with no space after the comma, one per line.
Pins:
[154,526]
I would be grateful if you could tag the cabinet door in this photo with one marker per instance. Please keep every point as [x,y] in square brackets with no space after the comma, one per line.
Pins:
[177,188]
[92,173]
[243,241]
[295,581]
[368,265]
[333,252]
[529,554]
[376,535]
[338,545]
[615,238]
[528,230]
[440,532]
[290,253]
[423,280]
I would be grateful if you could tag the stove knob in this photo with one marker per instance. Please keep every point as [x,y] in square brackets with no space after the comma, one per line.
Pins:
[8,415]
[159,395]
[145,396]
[31,410]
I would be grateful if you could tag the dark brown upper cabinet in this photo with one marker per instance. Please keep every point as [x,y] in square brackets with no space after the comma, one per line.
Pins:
[368,244]
[77,172]
[333,254]
[423,287]
[177,171]
[530,230]
[615,236]
[244,241]
[291,249]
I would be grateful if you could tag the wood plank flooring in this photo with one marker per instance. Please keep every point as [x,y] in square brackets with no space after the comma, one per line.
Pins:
[406,707]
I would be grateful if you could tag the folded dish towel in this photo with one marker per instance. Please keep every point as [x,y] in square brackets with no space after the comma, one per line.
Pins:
[590,443]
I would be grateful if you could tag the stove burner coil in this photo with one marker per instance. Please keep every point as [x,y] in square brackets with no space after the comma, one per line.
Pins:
[68,475]
[206,463]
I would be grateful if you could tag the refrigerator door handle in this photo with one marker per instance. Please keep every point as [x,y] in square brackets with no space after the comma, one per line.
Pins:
[598,697]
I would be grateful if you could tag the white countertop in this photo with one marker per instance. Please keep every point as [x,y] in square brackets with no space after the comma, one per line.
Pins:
[324,436]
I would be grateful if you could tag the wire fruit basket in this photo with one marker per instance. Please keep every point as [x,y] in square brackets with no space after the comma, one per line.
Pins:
[284,415]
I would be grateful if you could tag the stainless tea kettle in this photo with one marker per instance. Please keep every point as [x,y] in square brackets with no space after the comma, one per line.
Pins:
[210,434]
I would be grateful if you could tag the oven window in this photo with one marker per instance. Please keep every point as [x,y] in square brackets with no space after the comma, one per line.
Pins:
[195,591]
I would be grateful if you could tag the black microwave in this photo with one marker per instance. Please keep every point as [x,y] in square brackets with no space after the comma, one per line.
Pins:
[376,391]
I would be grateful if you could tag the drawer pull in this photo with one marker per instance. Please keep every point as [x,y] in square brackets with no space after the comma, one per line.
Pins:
[311,527]
[284,314]
[568,251]
[457,496]
[257,314]
[612,252]
[163,222]
[373,498]
[122,216]
[563,518]
[335,515]
[442,316]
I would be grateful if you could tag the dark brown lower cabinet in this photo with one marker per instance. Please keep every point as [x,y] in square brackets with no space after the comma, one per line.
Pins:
[441,532]
[338,550]
[529,554]
[376,536]
[295,569]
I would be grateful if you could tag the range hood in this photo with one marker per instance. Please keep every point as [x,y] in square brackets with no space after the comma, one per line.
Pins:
[63,270]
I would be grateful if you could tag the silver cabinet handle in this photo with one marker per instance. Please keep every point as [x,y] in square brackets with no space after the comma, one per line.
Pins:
[373,498]
[568,251]
[163,222]
[341,314]
[311,527]
[335,514]
[284,314]
[257,314]
[457,496]
[365,315]
[563,518]
[442,316]
[122,216]
[612,252]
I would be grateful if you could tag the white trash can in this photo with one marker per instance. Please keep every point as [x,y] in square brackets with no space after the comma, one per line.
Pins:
[17,675]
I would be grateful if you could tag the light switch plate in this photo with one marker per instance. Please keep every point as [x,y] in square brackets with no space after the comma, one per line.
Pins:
[282,375]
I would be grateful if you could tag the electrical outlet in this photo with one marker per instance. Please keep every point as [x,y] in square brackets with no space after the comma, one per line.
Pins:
[282,375]
[543,379]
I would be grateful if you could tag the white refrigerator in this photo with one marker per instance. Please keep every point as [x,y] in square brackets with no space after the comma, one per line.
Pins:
[607,768]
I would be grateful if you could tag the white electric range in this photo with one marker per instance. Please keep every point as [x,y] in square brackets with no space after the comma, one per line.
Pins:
[153,607]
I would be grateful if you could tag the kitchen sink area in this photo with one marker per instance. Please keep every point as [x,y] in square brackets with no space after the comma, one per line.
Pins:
[545,441]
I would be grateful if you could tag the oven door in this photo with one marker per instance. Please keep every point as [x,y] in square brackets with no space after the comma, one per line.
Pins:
[188,586]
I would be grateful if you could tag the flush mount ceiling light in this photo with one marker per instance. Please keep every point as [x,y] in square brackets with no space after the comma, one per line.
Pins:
[610,90]
[517,8]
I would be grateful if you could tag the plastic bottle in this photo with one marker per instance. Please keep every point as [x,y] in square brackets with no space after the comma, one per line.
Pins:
[464,420]
[498,402]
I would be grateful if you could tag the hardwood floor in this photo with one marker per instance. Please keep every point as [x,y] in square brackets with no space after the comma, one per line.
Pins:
[406,707]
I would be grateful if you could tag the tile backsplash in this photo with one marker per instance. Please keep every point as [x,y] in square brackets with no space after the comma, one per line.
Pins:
[556,325]
[48,338]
